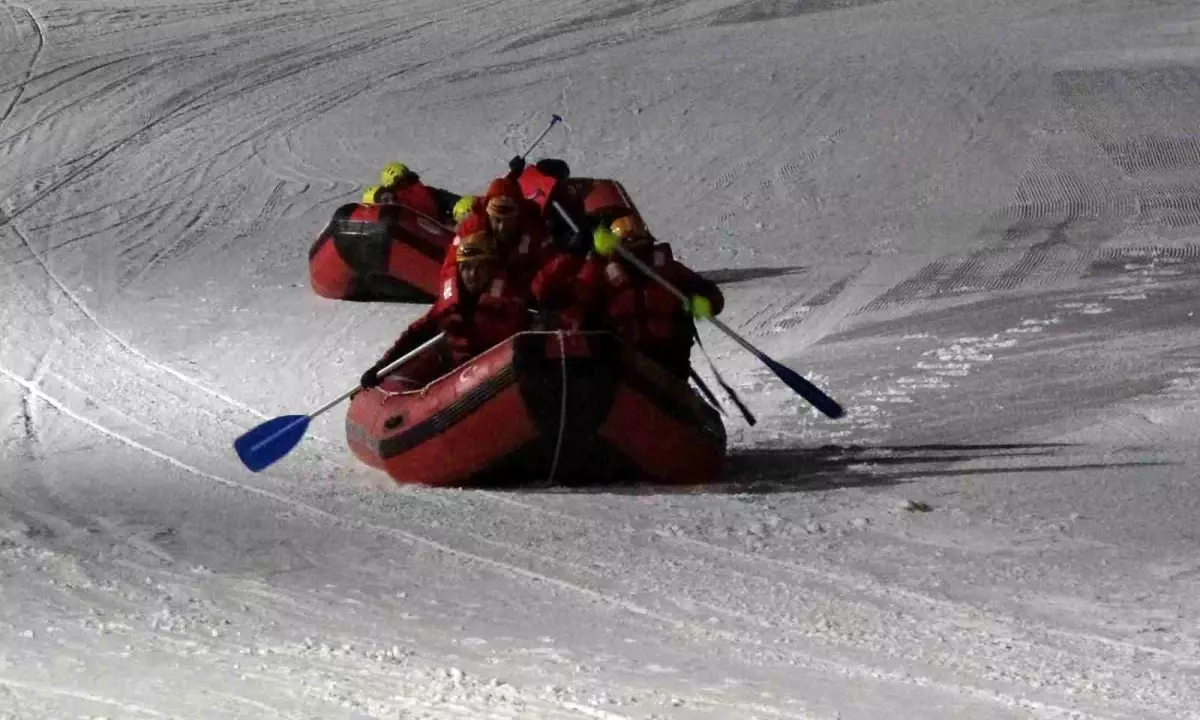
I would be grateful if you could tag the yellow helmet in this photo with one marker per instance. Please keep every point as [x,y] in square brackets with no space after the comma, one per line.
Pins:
[368,197]
[392,173]
[462,208]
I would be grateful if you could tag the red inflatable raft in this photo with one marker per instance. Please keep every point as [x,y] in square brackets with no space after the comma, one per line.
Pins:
[568,408]
[378,253]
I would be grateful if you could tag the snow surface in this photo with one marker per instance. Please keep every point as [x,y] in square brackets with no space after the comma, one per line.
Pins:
[975,223]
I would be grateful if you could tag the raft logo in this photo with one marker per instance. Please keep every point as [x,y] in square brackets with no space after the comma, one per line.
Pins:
[467,375]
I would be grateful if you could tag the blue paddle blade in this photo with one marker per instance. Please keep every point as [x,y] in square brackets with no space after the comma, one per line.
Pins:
[804,388]
[261,446]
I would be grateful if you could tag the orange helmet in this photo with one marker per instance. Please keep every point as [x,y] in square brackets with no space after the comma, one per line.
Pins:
[474,247]
[503,207]
[630,228]
[503,199]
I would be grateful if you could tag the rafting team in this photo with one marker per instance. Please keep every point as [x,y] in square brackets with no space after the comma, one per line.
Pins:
[510,266]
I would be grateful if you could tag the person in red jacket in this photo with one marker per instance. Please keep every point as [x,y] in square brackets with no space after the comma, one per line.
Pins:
[509,214]
[637,309]
[553,286]
[476,310]
[522,244]
[399,184]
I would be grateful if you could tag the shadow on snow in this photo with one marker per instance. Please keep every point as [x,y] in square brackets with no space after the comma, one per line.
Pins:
[736,275]
[781,470]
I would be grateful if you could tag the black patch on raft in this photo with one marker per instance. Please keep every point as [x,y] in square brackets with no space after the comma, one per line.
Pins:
[590,387]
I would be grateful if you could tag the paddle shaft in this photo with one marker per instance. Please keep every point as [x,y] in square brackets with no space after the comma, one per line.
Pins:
[386,370]
[554,121]
[430,218]
[649,271]
[441,224]
[634,260]
[528,150]
[793,379]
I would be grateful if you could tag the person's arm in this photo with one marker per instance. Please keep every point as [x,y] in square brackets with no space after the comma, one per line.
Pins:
[422,329]
[692,284]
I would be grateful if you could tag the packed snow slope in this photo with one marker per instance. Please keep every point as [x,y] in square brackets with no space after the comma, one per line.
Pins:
[975,223]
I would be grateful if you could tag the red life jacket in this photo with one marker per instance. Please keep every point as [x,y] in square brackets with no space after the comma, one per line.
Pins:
[473,327]
[553,284]
[415,195]
[638,309]
[537,187]
[519,263]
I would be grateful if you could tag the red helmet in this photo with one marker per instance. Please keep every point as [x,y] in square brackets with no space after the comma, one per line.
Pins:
[503,187]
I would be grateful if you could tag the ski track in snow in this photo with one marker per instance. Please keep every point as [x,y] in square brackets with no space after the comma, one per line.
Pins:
[40,41]
[124,345]
[805,630]
[633,608]
[629,607]
[1000,628]
[128,709]
[535,577]
[315,512]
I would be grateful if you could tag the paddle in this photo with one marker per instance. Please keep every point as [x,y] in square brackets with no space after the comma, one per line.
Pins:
[733,396]
[264,444]
[790,377]
[554,120]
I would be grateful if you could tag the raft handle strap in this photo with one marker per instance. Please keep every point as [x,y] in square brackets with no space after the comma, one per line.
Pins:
[562,413]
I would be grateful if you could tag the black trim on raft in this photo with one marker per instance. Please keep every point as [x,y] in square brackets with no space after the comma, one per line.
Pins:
[362,245]
[447,417]
[365,245]
[339,215]
[592,462]
[376,286]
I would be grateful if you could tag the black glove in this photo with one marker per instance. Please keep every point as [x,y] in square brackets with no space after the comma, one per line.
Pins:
[516,166]
[554,167]
[579,243]
[370,378]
